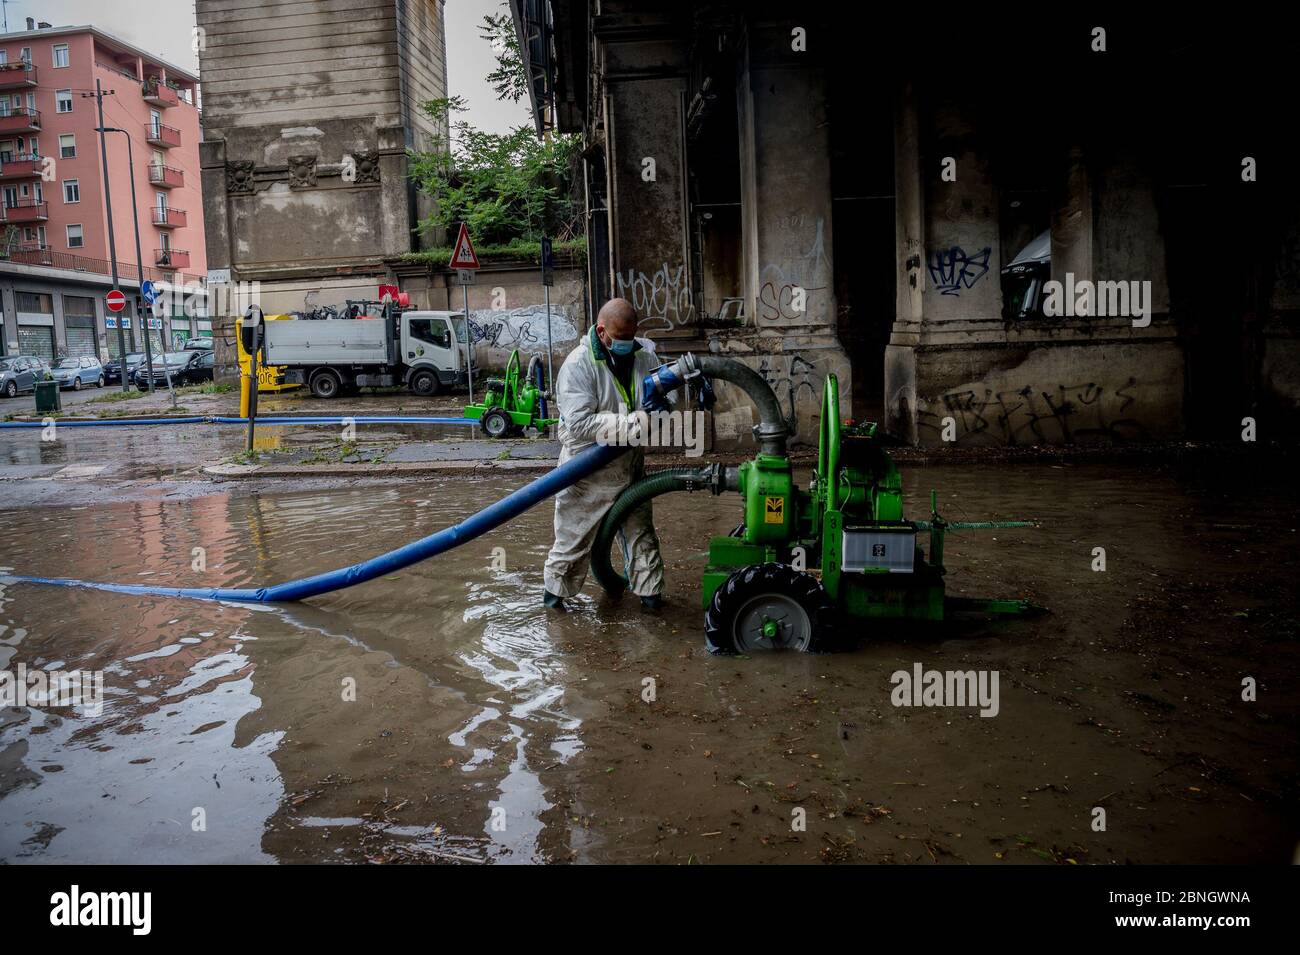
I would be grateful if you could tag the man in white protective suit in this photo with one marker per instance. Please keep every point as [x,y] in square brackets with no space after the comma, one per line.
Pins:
[598,391]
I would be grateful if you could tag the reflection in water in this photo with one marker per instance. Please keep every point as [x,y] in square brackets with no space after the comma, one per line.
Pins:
[437,714]
[517,655]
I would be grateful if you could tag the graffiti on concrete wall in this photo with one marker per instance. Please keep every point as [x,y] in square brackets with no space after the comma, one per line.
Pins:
[796,381]
[952,270]
[523,328]
[1032,415]
[662,298]
[788,293]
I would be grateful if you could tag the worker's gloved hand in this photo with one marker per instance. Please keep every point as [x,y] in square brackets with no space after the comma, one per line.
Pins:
[653,402]
[656,386]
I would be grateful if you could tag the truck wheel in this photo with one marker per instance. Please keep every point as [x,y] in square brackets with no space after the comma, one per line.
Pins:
[424,383]
[769,607]
[496,423]
[325,384]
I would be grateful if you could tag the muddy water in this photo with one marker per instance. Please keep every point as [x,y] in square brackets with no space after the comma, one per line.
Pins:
[441,715]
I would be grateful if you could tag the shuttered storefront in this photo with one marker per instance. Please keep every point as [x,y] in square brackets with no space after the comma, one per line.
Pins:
[128,330]
[35,324]
[36,340]
[79,325]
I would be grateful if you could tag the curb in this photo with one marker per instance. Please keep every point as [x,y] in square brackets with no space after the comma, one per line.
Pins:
[397,469]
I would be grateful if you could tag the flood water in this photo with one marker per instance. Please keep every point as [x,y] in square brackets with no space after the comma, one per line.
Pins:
[440,714]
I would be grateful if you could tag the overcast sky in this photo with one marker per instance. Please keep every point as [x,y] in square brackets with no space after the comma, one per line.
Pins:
[164,27]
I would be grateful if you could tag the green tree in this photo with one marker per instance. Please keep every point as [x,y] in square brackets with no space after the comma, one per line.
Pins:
[508,187]
[509,79]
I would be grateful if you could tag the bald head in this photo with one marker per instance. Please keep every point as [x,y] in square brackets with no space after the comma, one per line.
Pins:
[616,320]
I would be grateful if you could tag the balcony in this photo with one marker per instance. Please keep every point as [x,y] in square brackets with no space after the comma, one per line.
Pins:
[17,76]
[33,253]
[25,210]
[163,136]
[20,119]
[160,95]
[22,167]
[171,259]
[169,218]
[165,177]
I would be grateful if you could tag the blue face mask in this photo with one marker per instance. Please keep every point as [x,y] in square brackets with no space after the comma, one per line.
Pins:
[618,346]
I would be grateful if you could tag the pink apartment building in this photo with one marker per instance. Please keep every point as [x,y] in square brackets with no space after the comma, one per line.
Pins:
[54,249]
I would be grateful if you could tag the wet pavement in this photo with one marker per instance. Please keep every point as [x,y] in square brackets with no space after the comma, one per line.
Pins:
[440,714]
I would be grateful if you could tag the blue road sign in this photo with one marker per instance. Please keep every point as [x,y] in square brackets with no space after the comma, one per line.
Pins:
[149,292]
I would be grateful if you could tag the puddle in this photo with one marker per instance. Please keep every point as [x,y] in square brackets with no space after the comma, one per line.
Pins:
[441,715]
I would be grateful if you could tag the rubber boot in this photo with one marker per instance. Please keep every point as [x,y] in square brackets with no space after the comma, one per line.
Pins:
[553,601]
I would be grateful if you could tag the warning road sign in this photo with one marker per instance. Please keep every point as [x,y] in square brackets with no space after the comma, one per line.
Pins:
[463,255]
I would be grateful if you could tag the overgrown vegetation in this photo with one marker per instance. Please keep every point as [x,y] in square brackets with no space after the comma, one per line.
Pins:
[519,249]
[508,188]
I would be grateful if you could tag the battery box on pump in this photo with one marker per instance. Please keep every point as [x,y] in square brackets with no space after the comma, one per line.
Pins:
[879,549]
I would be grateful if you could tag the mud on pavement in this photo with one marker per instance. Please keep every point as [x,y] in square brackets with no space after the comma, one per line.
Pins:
[439,714]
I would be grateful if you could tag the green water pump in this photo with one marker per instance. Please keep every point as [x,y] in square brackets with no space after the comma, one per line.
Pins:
[805,567]
[513,402]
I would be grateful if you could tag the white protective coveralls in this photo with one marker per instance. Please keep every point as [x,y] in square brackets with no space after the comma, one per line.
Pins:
[591,403]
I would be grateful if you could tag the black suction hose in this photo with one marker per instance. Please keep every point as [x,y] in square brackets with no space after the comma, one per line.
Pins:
[772,429]
[636,494]
[771,432]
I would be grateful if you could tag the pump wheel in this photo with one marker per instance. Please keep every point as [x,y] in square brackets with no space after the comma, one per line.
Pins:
[325,384]
[496,423]
[769,607]
[424,383]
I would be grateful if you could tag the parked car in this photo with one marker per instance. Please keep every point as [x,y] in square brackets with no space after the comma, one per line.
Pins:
[77,373]
[20,373]
[198,344]
[113,370]
[185,367]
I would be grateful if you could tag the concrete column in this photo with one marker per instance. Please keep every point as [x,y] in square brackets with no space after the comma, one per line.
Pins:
[785,219]
[785,183]
[216,210]
[60,330]
[647,190]
[396,213]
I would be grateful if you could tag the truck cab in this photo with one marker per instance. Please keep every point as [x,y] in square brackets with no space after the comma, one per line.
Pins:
[426,342]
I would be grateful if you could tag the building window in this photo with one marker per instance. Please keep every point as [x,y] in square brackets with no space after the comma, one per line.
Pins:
[67,146]
[75,239]
[60,55]
[37,303]
[63,101]
[72,190]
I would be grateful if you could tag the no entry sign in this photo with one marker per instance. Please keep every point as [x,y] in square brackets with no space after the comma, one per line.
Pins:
[115,300]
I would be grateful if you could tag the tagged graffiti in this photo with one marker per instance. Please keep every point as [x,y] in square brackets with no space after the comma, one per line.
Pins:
[1029,415]
[794,379]
[789,294]
[662,298]
[952,270]
[523,328]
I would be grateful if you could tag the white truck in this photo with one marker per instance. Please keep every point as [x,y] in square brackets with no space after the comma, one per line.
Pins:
[425,351]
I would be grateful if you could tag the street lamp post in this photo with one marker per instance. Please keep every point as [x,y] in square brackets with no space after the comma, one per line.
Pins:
[112,245]
[139,265]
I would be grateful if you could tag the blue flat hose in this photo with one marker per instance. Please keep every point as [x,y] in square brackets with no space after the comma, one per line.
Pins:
[358,419]
[102,422]
[261,419]
[492,516]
